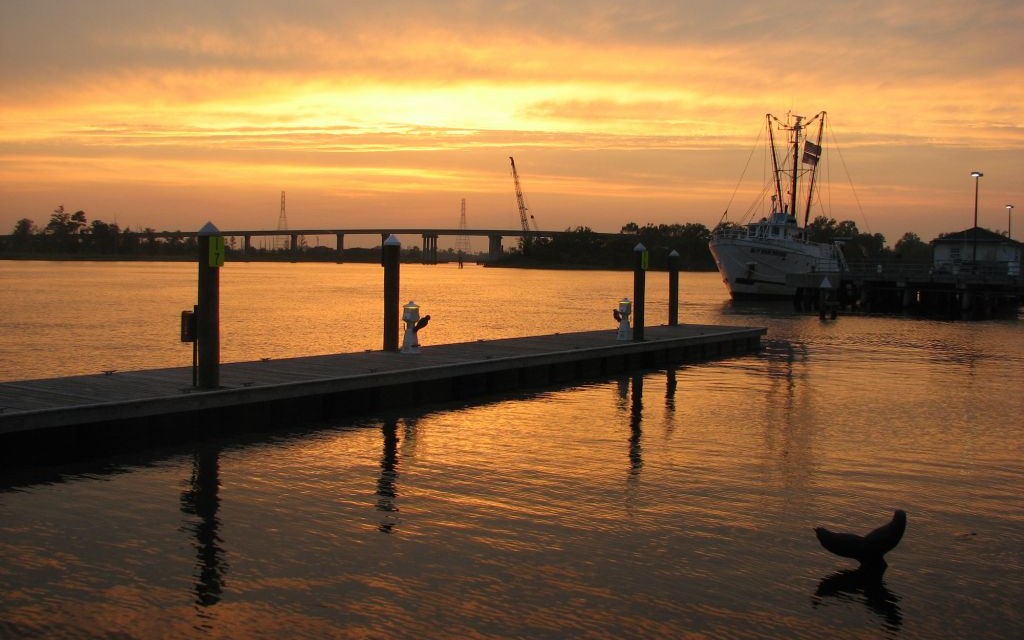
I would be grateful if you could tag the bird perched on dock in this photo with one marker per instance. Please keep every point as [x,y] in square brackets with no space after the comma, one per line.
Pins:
[422,322]
[868,549]
[616,315]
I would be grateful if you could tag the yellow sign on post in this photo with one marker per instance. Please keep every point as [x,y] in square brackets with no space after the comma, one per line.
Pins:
[645,260]
[216,251]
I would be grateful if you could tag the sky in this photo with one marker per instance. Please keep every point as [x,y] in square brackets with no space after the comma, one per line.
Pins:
[167,115]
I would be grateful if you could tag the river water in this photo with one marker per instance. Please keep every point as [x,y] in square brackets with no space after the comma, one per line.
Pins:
[665,504]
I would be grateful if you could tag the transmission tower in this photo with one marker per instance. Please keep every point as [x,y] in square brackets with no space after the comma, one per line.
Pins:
[281,242]
[462,240]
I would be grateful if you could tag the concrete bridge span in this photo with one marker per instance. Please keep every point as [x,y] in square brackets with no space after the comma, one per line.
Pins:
[429,237]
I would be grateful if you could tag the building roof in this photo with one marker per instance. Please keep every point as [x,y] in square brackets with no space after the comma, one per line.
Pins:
[976,234]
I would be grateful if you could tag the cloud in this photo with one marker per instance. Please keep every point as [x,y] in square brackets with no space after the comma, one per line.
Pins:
[606,102]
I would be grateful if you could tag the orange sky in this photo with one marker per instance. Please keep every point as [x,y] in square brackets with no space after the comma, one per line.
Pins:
[389,113]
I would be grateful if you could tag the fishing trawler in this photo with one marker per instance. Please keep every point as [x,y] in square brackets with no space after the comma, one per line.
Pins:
[755,258]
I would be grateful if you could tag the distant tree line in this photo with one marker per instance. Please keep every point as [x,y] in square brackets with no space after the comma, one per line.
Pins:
[582,248]
[69,233]
[868,246]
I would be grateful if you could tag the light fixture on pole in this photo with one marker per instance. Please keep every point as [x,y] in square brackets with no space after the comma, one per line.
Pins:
[1009,221]
[976,175]
[974,248]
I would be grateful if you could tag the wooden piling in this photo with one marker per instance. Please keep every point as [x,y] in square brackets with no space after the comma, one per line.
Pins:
[639,288]
[391,251]
[673,288]
[211,257]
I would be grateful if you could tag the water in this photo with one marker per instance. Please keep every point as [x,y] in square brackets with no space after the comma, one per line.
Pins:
[663,504]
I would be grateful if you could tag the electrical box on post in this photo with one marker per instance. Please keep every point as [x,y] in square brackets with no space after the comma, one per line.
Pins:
[188,326]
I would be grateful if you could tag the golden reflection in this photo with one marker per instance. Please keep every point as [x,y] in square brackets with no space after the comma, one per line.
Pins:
[787,440]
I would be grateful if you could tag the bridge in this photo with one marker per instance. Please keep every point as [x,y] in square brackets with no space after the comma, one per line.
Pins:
[429,237]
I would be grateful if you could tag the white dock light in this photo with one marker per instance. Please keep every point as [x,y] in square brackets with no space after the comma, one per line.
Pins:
[622,315]
[411,316]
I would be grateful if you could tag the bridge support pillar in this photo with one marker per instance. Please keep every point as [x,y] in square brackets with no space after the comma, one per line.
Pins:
[294,248]
[429,254]
[494,249]
[339,252]
[246,245]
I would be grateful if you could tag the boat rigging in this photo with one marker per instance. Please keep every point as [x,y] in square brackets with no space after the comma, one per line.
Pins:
[755,259]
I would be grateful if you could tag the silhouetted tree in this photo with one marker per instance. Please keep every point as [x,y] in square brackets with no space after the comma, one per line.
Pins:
[911,248]
[24,234]
[856,245]
[822,229]
[64,228]
[102,237]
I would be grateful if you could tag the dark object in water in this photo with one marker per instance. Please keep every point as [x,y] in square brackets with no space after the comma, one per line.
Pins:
[869,549]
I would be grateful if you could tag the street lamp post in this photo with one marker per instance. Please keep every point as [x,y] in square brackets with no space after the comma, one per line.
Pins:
[1009,221]
[974,246]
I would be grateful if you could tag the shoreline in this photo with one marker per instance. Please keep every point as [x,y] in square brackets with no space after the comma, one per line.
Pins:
[293,260]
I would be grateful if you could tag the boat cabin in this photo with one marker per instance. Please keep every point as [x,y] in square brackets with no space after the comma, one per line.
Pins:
[779,225]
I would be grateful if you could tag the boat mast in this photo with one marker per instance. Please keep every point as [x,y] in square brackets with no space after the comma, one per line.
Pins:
[775,163]
[797,128]
[814,169]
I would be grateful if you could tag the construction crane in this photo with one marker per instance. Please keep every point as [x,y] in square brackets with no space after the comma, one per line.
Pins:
[524,219]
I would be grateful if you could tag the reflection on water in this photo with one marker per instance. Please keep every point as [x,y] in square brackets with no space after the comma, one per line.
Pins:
[657,504]
[636,417]
[387,492]
[201,500]
[863,586]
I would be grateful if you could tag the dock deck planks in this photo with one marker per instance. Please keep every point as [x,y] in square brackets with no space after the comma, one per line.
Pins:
[32,405]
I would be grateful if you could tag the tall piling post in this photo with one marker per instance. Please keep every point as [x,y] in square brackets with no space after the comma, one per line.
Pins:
[673,288]
[391,251]
[640,263]
[211,258]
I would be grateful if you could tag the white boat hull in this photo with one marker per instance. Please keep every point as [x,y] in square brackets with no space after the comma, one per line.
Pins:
[757,267]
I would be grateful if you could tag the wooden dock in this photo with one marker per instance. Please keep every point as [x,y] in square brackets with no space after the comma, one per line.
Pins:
[162,404]
[895,287]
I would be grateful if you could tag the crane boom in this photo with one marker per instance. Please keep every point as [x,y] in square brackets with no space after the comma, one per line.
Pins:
[523,218]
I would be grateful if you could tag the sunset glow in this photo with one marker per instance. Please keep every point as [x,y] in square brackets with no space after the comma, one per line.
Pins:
[168,116]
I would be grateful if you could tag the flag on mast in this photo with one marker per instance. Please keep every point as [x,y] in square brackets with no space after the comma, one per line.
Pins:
[812,152]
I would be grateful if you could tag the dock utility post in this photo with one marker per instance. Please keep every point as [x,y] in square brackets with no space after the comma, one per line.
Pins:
[673,288]
[390,254]
[641,257]
[211,258]
[827,301]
